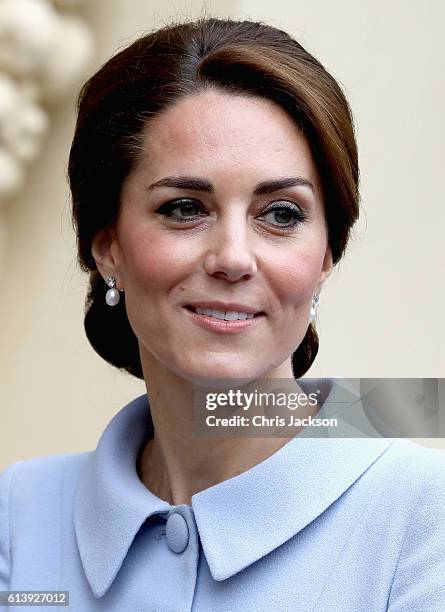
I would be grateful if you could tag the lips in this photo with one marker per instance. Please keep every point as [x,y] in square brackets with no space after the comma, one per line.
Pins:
[225,307]
[219,325]
[192,309]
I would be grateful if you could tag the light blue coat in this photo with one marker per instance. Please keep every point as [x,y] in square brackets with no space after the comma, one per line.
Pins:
[322,525]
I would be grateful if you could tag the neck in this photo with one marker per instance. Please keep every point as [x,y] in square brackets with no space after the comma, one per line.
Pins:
[175,464]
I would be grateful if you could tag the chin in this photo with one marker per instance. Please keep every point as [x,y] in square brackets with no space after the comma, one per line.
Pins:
[221,375]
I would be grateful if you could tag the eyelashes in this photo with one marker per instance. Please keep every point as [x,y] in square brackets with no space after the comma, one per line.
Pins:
[293,215]
[290,210]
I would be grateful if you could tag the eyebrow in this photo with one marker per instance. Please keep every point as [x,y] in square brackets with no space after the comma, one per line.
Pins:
[199,184]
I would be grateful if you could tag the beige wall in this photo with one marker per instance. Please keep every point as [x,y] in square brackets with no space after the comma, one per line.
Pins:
[379,313]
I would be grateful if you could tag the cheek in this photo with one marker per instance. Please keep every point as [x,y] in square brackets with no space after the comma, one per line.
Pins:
[295,277]
[153,261]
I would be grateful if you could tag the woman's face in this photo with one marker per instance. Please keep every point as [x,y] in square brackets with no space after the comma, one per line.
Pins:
[202,220]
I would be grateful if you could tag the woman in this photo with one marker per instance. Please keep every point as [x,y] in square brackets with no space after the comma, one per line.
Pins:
[214,180]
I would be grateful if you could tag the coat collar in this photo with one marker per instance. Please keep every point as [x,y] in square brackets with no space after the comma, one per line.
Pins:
[112,504]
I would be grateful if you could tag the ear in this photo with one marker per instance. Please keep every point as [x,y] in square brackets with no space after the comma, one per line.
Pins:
[105,250]
[326,268]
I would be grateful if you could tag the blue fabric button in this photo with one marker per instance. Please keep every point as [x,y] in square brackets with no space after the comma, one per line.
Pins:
[177,533]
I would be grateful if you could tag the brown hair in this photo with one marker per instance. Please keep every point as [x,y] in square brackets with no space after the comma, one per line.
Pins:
[154,72]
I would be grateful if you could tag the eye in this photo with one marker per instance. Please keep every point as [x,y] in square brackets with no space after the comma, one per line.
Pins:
[285,216]
[186,207]
[288,215]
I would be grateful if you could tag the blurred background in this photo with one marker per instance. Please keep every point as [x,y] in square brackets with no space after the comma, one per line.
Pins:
[380,312]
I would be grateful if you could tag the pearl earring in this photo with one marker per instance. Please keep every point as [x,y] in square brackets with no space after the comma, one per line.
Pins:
[313,311]
[112,297]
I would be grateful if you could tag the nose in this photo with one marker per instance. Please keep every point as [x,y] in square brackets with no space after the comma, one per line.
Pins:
[229,254]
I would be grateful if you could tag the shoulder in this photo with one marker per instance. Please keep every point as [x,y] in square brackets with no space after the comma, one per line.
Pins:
[414,468]
[412,478]
[418,479]
[412,457]
[30,493]
[5,486]
[37,476]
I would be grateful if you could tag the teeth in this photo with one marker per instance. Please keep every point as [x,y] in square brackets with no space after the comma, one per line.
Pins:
[230,315]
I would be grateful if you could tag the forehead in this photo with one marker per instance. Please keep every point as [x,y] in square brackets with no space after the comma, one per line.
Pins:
[218,131]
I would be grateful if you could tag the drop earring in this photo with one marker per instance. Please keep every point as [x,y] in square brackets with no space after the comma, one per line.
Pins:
[313,311]
[112,296]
